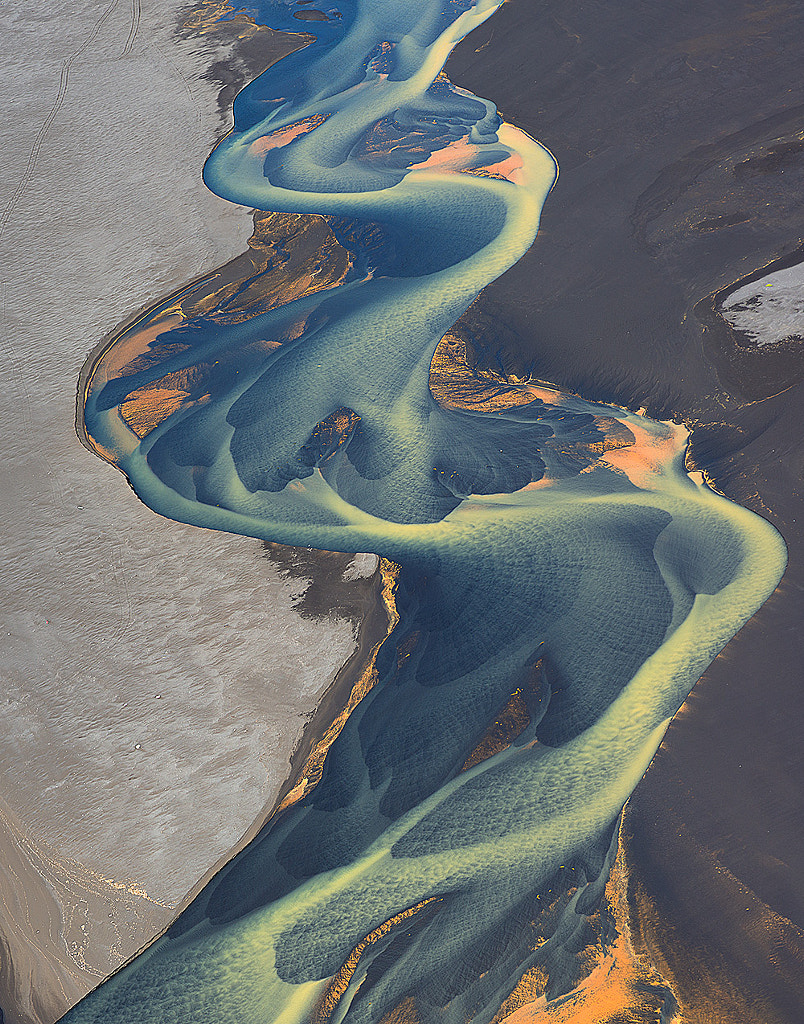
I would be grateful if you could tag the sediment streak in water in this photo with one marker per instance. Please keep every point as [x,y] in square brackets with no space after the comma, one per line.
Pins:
[557,559]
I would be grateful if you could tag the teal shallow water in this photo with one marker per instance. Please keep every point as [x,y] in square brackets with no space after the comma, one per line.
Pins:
[550,548]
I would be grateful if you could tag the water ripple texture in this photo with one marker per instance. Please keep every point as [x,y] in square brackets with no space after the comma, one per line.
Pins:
[564,581]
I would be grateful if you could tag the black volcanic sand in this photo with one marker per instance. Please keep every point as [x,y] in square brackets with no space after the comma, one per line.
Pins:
[253,48]
[677,128]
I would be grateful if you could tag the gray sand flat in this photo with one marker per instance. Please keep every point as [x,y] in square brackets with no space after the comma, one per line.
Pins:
[154,677]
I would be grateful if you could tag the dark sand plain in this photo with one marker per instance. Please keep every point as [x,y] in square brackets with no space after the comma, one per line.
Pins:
[154,679]
[678,131]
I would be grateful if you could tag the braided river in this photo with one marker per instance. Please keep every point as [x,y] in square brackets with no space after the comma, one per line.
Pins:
[560,580]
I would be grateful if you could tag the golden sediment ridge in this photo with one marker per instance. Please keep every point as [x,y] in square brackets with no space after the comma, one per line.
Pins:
[615,435]
[510,723]
[333,431]
[530,987]
[146,409]
[484,172]
[290,256]
[512,720]
[405,648]
[149,406]
[340,982]
[404,1013]
[207,19]
[314,766]
[622,983]
[208,14]
[455,384]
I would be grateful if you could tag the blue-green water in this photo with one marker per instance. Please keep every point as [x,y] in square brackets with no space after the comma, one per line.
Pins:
[550,548]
